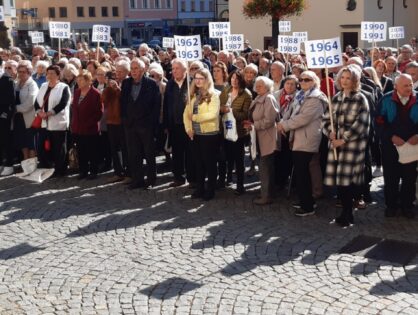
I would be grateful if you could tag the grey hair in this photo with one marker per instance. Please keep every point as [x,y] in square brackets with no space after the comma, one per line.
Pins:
[75,61]
[139,62]
[180,62]
[312,75]
[251,67]
[412,64]
[403,76]
[42,63]
[356,60]
[268,83]
[12,63]
[124,64]
[156,67]
[70,69]
[278,64]
[408,47]
[25,64]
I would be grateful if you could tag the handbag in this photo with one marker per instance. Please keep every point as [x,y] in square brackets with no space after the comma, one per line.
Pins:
[73,158]
[37,122]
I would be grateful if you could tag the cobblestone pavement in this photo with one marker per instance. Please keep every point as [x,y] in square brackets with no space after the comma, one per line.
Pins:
[83,247]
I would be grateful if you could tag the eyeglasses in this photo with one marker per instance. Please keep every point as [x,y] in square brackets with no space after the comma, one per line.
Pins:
[199,78]
[305,80]
[8,68]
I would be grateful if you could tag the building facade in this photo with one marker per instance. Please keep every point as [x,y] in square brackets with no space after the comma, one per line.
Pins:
[146,20]
[34,15]
[332,18]
[9,7]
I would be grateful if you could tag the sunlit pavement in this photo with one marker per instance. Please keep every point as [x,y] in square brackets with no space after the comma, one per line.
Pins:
[84,247]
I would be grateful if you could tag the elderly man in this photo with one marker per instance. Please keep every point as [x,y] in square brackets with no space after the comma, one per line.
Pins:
[223,56]
[412,69]
[405,57]
[175,100]
[277,70]
[140,107]
[398,116]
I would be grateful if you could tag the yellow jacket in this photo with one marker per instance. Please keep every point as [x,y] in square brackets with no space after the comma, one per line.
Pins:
[207,116]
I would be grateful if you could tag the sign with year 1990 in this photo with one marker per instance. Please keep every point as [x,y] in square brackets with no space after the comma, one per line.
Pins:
[188,47]
[59,29]
[101,33]
[323,53]
[373,31]
[219,29]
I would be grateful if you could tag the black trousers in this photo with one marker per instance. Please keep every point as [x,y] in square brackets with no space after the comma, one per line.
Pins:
[221,159]
[205,152]
[235,155]
[182,160]
[302,177]
[283,163]
[393,172]
[346,194]
[6,144]
[118,149]
[88,153]
[105,154]
[56,157]
[141,146]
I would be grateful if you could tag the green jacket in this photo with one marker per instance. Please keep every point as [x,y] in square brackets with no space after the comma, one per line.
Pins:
[240,106]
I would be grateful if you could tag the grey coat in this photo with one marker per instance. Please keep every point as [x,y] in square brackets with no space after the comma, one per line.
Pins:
[304,122]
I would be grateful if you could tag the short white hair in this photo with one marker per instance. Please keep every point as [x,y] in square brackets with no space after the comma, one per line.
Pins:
[75,61]
[356,60]
[268,83]
[12,63]
[42,63]
[156,67]
[279,65]
[180,62]
[251,67]
[311,75]
[403,76]
[139,62]
[25,64]
[126,65]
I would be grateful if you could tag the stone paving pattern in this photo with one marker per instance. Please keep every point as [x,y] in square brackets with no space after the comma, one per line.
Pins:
[83,247]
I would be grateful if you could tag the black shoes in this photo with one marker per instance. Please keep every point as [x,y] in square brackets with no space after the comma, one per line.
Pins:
[407,212]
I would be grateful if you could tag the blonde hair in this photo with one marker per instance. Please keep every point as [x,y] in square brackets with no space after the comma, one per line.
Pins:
[86,75]
[208,89]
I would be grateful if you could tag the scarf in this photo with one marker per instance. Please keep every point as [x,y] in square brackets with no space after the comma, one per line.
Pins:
[285,100]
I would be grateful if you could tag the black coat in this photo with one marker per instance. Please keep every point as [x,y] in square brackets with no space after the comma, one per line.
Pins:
[145,110]
[8,98]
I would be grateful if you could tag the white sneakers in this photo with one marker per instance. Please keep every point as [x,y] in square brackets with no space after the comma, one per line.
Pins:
[7,170]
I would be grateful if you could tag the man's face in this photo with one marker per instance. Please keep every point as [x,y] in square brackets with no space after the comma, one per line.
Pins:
[263,65]
[178,71]
[223,58]
[136,71]
[120,73]
[413,72]
[404,87]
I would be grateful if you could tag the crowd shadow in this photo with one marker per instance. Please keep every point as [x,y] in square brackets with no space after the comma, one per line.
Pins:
[18,251]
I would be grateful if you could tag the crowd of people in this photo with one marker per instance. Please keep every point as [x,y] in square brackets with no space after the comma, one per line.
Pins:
[110,110]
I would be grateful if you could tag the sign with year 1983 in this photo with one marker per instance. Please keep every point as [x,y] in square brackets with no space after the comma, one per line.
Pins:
[323,53]
[59,29]
[101,33]
[188,47]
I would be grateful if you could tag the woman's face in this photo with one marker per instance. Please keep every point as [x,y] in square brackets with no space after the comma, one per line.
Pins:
[260,88]
[234,81]
[249,76]
[91,69]
[199,80]
[101,76]
[345,82]
[82,83]
[290,86]
[380,68]
[52,76]
[391,65]
[40,70]
[23,74]
[306,83]
[217,74]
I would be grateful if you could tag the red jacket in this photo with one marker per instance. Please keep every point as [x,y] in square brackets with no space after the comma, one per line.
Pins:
[86,115]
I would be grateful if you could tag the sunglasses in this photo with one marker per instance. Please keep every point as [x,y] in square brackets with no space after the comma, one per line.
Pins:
[305,80]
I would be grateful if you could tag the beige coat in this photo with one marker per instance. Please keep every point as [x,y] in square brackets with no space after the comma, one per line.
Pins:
[264,114]
[304,122]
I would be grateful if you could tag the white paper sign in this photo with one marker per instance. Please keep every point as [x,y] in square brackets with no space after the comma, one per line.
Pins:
[285,26]
[60,29]
[37,37]
[303,36]
[323,53]
[219,29]
[1,13]
[233,42]
[396,32]
[288,44]
[168,42]
[101,33]
[373,31]
[188,47]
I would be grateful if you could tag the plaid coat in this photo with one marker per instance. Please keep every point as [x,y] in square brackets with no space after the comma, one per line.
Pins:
[351,117]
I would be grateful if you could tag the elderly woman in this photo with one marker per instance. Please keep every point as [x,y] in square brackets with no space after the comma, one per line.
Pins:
[87,111]
[236,98]
[70,74]
[304,123]
[262,115]
[194,66]
[26,91]
[201,122]
[351,118]
[92,66]
[52,105]
[391,68]
[7,108]
[283,158]
[240,63]
[40,72]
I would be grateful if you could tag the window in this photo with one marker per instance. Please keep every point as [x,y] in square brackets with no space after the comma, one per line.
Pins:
[12,3]
[80,11]
[211,8]
[169,5]
[193,6]
[132,4]
[51,12]
[115,11]
[183,6]
[63,12]
[145,4]
[157,4]
[92,11]
[104,11]
[202,6]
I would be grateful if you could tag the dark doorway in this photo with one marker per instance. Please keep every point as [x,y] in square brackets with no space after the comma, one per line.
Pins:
[350,38]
